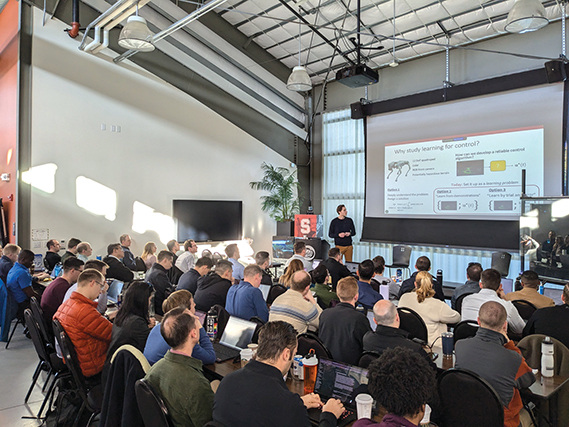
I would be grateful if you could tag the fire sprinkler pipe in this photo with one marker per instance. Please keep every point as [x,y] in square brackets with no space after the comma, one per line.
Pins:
[75,20]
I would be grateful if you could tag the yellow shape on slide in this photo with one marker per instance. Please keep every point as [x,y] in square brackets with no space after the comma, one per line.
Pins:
[498,165]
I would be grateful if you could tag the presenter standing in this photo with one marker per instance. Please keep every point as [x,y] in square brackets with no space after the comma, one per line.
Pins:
[342,229]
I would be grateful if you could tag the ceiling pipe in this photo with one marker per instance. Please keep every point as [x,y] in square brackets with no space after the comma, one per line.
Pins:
[105,43]
[96,41]
[74,32]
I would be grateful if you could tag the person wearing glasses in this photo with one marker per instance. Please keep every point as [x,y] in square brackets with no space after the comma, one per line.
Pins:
[87,329]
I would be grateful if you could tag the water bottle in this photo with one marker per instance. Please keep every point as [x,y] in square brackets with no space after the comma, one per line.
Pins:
[547,361]
[399,276]
[211,324]
[541,288]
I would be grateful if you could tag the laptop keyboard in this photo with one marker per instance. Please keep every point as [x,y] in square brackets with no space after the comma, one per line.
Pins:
[224,353]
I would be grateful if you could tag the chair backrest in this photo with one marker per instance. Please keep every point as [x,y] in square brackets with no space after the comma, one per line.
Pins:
[501,262]
[35,333]
[10,313]
[151,406]
[530,347]
[367,357]
[525,308]
[413,324]
[260,322]
[468,401]
[465,329]
[276,290]
[459,300]
[401,256]
[37,313]
[222,318]
[309,341]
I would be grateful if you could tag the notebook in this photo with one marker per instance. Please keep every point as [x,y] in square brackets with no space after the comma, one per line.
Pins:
[339,381]
[236,336]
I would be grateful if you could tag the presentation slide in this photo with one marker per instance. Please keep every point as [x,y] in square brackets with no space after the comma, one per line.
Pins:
[466,175]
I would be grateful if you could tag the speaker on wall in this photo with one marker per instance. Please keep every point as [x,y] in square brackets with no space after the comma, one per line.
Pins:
[357,110]
[555,71]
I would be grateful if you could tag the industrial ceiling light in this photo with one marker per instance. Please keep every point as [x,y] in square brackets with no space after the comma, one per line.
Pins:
[299,80]
[526,16]
[394,63]
[135,34]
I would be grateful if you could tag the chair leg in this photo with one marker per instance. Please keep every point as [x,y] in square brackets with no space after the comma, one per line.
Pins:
[48,395]
[49,374]
[12,333]
[34,380]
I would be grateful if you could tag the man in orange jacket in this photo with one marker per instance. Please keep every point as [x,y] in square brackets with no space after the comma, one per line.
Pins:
[87,329]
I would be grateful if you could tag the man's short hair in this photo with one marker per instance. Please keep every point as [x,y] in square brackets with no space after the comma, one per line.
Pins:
[72,263]
[123,237]
[300,280]
[530,279]
[50,243]
[74,241]
[164,254]
[366,269]
[378,264]
[319,274]
[492,315]
[25,256]
[231,249]
[89,275]
[333,253]
[299,246]
[274,337]
[82,247]
[11,249]
[339,208]
[223,266]
[182,298]
[401,381]
[423,263]
[385,318]
[205,261]
[252,270]
[261,257]
[473,271]
[112,247]
[490,279]
[96,264]
[170,245]
[347,288]
[188,244]
[176,327]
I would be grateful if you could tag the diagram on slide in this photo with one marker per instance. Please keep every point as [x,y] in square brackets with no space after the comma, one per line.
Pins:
[468,174]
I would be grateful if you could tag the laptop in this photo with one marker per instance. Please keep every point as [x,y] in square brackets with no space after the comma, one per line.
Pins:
[236,336]
[507,285]
[115,289]
[340,381]
[265,290]
[352,266]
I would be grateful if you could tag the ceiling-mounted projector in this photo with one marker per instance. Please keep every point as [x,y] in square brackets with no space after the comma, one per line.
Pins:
[357,76]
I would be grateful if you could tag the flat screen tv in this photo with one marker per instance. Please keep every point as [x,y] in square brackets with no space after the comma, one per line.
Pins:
[208,220]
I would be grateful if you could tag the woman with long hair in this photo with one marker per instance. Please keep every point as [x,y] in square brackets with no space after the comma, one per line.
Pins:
[434,312]
[148,254]
[294,266]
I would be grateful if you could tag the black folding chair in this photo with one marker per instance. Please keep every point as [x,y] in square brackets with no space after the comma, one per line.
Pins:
[276,290]
[45,329]
[401,258]
[465,329]
[367,357]
[260,322]
[459,300]
[413,324]
[308,341]
[11,313]
[151,406]
[525,308]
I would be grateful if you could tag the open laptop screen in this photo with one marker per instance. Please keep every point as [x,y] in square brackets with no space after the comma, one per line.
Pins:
[507,285]
[340,381]
[265,290]
[114,291]
[238,333]
[352,266]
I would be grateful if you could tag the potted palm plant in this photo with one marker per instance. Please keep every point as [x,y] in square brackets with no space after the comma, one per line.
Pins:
[283,200]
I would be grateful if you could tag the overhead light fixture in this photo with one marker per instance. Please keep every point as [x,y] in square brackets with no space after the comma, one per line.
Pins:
[526,16]
[135,35]
[299,80]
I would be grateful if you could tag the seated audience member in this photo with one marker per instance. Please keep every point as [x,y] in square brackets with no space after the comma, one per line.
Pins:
[299,254]
[84,251]
[423,263]
[71,249]
[213,287]
[87,329]
[508,371]
[323,286]
[552,321]
[435,313]
[178,378]
[174,273]
[335,266]
[101,267]
[293,267]
[257,395]
[157,276]
[491,290]
[530,282]
[128,259]
[547,245]
[401,382]
[148,255]
[187,259]
[117,270]
[156,347]
[367,295]
[472,285]
[379,269]
[232,252]
[19,281]
[263,260]
[245,300]
[387,333]
[54,294]
[52,256]
[189,280]
[557,250]
[342,328]
[297,306]
[9,257]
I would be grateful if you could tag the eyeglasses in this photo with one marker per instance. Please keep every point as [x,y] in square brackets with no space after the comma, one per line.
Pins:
[101,284]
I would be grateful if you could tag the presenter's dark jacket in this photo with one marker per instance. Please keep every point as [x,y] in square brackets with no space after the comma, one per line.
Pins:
[257,396]
[157,276]
[337,271]
[338,226]
[409,284]
[117,270]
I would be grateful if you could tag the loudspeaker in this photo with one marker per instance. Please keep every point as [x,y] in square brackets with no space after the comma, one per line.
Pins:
[357,110]
[555,71]
[316,248]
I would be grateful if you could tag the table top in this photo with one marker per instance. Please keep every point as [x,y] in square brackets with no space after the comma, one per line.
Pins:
[545,387]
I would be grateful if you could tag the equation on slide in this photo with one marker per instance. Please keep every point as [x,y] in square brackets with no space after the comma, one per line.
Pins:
[473,174]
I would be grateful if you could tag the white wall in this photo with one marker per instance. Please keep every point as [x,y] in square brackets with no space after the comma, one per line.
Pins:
[170,146]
